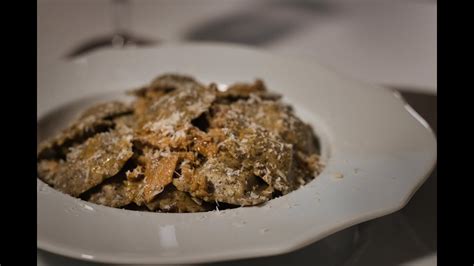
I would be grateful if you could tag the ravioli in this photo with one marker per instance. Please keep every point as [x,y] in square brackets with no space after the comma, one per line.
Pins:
[94,120]
[183,146]
[89,164]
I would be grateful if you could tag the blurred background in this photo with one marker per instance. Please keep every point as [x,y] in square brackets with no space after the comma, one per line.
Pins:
[389,43]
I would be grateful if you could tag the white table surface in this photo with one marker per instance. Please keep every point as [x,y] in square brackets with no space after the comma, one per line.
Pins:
[385,42]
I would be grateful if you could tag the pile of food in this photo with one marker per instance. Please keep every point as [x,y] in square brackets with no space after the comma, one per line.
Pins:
[182,146]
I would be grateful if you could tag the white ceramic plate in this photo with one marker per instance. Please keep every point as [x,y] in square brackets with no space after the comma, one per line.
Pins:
[380,146]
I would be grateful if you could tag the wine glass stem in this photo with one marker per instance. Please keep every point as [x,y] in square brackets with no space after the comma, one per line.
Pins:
[121,17]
